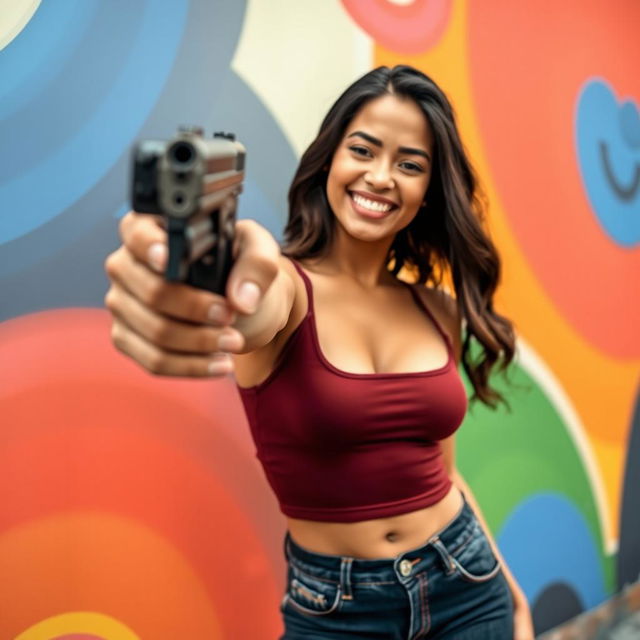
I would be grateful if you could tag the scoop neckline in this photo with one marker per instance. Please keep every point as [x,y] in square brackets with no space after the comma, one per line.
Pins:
[382,374]
[310,315]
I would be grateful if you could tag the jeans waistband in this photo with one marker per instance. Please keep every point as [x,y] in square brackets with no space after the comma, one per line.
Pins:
[436,549]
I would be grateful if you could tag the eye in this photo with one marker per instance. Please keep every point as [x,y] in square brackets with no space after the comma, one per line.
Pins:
[411,166]
[360,150]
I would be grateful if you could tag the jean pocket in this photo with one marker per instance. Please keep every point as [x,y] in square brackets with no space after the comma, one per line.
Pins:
[310,595]
[475,560]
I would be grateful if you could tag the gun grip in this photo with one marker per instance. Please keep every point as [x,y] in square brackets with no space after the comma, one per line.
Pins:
[177,250]
[212,270]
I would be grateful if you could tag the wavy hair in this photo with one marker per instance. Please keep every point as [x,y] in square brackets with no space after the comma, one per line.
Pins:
[445,237]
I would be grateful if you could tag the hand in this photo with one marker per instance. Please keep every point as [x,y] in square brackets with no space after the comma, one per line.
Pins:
[172,328]
[522,622]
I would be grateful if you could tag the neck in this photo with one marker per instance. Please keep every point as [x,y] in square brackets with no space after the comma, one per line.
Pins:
[361,261]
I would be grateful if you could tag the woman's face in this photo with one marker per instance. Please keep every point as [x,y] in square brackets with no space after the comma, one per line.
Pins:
[380,170]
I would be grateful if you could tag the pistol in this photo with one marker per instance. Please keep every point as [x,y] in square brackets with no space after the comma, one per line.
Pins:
[194,183]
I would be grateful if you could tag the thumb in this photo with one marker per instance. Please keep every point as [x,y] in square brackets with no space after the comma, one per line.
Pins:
[255,267]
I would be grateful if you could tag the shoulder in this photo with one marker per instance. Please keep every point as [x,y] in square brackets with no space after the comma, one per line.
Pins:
[299,301]
[445,309]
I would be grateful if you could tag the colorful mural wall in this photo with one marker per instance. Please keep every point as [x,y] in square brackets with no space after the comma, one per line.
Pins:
[132,507]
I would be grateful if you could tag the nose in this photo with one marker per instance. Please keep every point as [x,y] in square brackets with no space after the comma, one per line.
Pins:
[379,176]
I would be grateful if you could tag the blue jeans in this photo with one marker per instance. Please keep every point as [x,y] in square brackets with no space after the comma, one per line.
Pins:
[450,588]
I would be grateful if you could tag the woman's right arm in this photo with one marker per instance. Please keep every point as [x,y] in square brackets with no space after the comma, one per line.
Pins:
[177,330]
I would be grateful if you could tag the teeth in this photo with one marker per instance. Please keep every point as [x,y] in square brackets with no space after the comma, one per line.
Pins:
[370,204]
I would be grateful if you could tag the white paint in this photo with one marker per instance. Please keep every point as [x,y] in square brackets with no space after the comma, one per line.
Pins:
[298,57]
[527,358]
[14,17]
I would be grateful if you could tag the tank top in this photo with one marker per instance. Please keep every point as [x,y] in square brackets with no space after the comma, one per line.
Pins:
[343,447]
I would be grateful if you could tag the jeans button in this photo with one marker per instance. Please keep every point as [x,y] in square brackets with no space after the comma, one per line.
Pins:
[405,568]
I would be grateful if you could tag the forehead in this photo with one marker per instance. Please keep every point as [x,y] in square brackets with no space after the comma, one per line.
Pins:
[394,120]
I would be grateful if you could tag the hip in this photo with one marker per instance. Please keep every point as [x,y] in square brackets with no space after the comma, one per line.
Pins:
[450,586]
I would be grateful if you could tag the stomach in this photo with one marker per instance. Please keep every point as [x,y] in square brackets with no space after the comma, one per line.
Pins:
[378,538]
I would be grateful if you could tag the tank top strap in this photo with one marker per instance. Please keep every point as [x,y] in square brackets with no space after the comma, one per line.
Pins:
[307,284]
[421,303]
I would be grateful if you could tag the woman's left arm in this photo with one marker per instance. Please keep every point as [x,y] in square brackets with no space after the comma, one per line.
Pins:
[522,622]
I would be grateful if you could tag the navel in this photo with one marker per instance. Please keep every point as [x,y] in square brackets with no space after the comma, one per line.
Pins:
[392,536]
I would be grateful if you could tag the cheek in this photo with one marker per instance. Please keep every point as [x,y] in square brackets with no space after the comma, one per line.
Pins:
[337,181]
[332,186]
[414,194]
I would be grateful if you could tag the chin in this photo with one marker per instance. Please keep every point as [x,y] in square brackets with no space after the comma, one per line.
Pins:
[365,232]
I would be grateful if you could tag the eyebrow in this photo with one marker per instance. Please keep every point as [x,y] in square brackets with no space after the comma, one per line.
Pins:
[378,143]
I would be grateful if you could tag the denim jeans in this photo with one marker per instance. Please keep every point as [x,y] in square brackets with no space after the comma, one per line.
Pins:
[451,587]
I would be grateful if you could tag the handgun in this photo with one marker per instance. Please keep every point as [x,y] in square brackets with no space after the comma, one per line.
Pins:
[193,183]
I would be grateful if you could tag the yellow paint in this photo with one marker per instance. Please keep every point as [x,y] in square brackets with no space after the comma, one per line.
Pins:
[79,622]
[91,562]
[601,389]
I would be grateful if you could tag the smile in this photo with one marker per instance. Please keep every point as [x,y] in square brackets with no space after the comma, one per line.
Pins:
[373,206]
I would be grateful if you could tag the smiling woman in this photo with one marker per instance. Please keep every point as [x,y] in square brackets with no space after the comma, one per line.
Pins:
[381,169]
[348,374]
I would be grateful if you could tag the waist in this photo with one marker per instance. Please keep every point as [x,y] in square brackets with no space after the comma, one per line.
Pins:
[453,535]
[380,537]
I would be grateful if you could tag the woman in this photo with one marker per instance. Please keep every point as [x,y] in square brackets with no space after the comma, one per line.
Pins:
[348,374]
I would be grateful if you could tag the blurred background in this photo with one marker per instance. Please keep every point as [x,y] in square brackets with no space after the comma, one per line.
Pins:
[132,507]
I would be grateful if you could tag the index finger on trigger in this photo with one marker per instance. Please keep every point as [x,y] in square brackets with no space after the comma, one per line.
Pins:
[145,237]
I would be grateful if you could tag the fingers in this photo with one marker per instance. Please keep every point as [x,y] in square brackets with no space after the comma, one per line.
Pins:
[160,362]
[168,328]
[172,328]
[255,266]
[173,299]
[169,334]
[146,239]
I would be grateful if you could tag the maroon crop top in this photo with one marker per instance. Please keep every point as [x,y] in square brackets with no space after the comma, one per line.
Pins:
[343,447]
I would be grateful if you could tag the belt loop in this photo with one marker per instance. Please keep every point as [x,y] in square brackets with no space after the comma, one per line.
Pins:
[345,578]
[450,567]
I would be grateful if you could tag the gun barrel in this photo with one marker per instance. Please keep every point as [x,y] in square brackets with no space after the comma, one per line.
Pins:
[194,183]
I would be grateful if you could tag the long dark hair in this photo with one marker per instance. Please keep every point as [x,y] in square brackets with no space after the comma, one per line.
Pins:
[445,238]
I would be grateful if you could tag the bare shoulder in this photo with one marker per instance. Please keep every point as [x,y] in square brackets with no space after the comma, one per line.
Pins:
[444,307]
[299,293]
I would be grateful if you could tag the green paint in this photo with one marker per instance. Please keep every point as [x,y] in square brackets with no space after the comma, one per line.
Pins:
[508,456]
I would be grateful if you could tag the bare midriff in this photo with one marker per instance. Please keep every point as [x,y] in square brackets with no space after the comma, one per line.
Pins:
[379,538]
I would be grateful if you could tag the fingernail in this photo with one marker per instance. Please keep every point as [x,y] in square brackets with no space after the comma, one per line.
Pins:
[220,366]
[249,295]
[157,256]
[218,313]
[230,341]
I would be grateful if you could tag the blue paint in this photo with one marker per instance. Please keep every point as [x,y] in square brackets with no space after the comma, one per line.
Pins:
[607,135]
[122,211]
[254,204]
[33,60]
[546,540]
[64,171]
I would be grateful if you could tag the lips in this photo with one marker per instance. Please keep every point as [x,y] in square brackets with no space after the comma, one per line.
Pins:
[374,198]
[367,212]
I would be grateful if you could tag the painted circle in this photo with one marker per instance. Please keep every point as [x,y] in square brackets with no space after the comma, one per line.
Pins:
[528,72]
[607,132]
[120,480]
[404,27]
[15,16]
[67,154]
